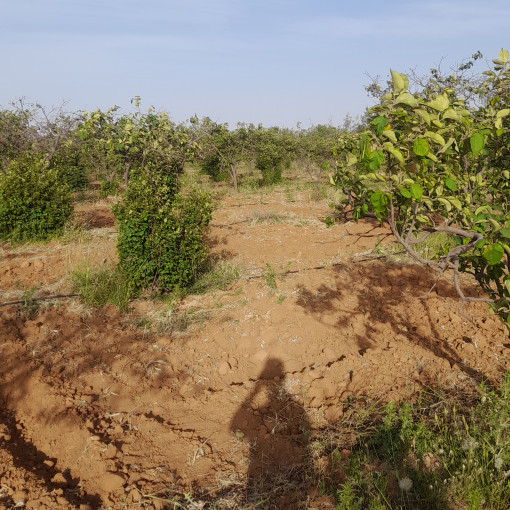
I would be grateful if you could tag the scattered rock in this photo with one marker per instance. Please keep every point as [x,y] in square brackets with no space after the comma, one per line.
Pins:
[59,478]
[224,368]
[111,482]
[20,497]
[135,495]
[38,264]
[260,356]
[111,451]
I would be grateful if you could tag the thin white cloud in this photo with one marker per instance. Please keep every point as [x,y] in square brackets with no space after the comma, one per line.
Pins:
[396,24]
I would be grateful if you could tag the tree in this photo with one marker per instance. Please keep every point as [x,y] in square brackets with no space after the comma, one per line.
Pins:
[131,141]
[430,163]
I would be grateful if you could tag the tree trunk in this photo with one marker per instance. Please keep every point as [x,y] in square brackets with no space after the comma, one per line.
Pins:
[127,167]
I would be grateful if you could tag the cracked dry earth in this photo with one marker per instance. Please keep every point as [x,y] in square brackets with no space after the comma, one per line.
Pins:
[99,412]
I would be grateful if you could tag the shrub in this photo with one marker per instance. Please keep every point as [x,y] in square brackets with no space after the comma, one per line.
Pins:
[68,163]
[35,202]
[108,188]
[449,450]
[161,245]
[211,165]
[271,169]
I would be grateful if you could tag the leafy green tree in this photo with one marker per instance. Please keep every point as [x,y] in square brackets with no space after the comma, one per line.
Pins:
[314,152]
[224,153]
[429,163]
[131,141]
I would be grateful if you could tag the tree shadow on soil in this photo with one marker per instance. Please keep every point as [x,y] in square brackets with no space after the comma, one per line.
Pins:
[381,292]
[28,458]
[74,350]
[276,429]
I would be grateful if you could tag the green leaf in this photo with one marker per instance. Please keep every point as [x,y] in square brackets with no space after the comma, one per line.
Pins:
[375,160]
[451,114]
[450,184]
[416,191]
[503,113]
[380,123]
[351,159]
[455,202]
[503,55]
[421,147]
[399,82]
[388,146]
[388,133]
[493,254]
[482,209]
[446,203]
[435,137]
[449,143]
[505,232]
[379,200]
[423,114]
[421,218]
[477,143]
[495,224]
[407,99]
[440,103]
[404,192]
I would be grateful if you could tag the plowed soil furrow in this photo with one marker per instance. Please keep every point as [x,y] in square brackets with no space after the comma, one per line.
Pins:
[98,411]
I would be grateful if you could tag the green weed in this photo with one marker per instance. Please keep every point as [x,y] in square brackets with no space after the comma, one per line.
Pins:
[30,305]
[415,459]
[270,275]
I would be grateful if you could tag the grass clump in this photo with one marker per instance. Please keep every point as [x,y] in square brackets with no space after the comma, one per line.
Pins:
[218,275]
[271,218]
[271,275]
[101,286]
[435,245]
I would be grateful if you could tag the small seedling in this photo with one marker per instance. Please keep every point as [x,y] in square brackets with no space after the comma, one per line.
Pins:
[30,305]
[270,276]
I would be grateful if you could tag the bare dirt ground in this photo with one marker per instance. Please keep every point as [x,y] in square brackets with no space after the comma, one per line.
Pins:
[100,410]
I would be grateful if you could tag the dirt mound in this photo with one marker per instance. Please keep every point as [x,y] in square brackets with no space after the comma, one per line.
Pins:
[100,411]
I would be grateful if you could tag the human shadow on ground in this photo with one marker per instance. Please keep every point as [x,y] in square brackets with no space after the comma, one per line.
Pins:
[276,428]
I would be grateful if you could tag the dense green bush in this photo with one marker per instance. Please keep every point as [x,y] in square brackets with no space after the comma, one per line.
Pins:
[68,161]
[161,245]
[274,152]
[211,165]
[35,202]
[108,188]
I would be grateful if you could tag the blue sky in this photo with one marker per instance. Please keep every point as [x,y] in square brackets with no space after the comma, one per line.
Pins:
[274,62]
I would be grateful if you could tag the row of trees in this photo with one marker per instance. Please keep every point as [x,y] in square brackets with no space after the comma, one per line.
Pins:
[435,159]
[45,156]
[108,145]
